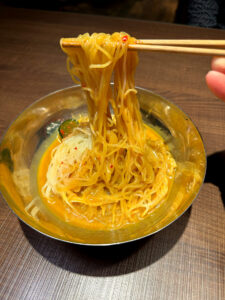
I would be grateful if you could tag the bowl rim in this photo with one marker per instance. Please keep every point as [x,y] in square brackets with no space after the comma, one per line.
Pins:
[115,243]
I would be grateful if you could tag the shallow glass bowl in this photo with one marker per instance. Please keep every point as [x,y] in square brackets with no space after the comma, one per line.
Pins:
[22,146]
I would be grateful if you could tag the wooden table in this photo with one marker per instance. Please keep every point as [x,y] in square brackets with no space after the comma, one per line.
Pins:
[184,261]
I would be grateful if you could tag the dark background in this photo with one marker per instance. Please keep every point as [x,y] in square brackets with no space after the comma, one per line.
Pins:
[203,13]
[160,10]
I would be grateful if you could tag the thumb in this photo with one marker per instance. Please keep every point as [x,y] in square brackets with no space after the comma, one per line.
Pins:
[216,83]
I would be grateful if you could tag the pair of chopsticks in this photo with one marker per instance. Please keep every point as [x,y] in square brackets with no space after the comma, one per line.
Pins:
[201,47]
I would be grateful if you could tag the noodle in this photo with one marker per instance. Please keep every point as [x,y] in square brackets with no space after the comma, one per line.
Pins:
[111,172]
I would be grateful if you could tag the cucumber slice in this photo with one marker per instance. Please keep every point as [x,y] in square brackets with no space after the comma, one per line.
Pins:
[67,127]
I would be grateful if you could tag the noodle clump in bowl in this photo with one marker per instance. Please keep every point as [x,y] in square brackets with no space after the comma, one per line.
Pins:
[107,170]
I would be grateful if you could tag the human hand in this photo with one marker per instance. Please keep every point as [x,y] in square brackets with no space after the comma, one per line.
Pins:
[215,78]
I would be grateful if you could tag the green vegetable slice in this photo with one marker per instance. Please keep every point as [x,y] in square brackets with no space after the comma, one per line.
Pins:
[67,127]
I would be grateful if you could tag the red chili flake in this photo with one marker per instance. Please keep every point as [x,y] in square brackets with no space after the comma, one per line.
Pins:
[75,148]
[61,162]
[111,166]
[125,38]
[83,85]
[62,131]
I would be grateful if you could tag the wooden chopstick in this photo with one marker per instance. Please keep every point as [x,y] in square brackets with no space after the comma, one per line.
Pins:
[176,49]
[173,46]
[208,43]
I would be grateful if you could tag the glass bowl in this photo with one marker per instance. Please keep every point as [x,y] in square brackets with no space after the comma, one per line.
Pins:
[32,132]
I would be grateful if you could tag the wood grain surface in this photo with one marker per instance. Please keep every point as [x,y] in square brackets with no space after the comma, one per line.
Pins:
[184,261]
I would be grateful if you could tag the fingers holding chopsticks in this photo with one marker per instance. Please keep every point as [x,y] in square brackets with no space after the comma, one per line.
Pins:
[215,78]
